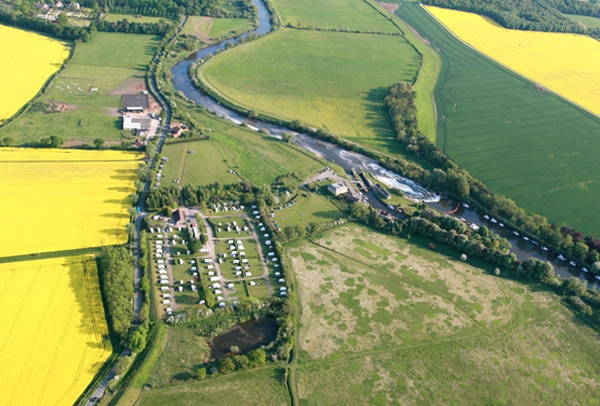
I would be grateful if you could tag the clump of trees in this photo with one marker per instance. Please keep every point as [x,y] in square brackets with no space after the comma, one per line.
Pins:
[133,27]
[116,277]
[166,196]
[62,29]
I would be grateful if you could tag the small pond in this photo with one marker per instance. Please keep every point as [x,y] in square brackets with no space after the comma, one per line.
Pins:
[247,336]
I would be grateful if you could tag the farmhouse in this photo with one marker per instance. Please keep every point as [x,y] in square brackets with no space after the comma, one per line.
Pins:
[135,103]
[136,123]
[337,189]
[179,217]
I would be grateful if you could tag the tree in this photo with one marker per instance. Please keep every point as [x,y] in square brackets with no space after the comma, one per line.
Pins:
[99,143]
[138,341]
[226,365]
[234,349]
[257,357]
[201,373]
[241,362]
[63,19]
[7,141]
[145,284]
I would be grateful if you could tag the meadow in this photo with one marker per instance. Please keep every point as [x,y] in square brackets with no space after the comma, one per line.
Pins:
[392,321]
[529,145]
[53,337]
[209,28]
[26,63]
[253,156]
[258,387]
[113,17]
[88,93]
[64,199]
[339,83]
[566,64]
[314,208]
[589,22]
[342,14]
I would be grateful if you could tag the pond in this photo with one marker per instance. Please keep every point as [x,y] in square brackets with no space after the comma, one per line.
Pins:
[247,336]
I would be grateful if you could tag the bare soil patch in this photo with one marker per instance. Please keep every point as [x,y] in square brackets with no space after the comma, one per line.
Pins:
[131,85]
[391,8]
[204,24]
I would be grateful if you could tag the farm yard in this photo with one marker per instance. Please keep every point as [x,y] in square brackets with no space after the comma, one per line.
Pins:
[64,199]
[82,102]
[510,135]
[27,62]
[391,320]
[339,83]
[53,336]
[563,63]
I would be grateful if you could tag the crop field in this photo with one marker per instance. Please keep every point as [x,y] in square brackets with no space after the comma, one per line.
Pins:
[255,157]
[87,95]
[53,336]
[510,135]
[339,79]
[344,14]
[64,199]
[208,28]
[564,63]
[259,387]
[26,63]
[393,321]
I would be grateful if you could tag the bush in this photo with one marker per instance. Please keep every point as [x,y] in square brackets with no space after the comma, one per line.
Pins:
[201,373]
[226,365]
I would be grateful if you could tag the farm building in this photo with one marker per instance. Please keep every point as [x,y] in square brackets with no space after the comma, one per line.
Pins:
[137,103]
[337,188]
[136,123]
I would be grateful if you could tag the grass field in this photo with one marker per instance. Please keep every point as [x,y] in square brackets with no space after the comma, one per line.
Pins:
[564,63]
[53,336]
[589,22]
[394,322]
[339,80]
[111,63]
[314,208]
[113,17]
[253,156]
[262,387]
[60,199]
[344,14]
[512,136]
[27,61]
[208,28]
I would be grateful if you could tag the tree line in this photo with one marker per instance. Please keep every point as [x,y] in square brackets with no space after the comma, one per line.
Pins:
[116,277]
[159,28]
[58,30]
[450,178]
[530,15]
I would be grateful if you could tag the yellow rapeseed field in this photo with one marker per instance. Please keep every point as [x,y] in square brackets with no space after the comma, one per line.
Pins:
[27,60]
[54,200]
[53,332]
[567,64]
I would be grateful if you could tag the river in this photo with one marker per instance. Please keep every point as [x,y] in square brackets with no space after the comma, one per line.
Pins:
[347,160]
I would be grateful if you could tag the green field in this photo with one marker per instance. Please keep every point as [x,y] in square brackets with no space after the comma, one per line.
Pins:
[255,157]
[343,14]
[110,63]
[589,22]
[313,208]
[339,80]
[208,28]
[527,144]
[393,322]
[113,17]
[261,387]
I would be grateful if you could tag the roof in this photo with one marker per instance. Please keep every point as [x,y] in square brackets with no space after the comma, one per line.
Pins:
[135,100]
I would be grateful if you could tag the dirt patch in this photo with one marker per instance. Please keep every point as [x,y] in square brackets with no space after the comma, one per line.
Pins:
[391,8]
[131,85]
[114,111]
[70,143]
[203,24]
[59,107]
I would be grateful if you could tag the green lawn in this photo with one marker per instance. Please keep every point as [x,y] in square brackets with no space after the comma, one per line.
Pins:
[589,22]
[529,145]
[255,157]
[339,79]
[113,17]
[314,208]
[394,322]
[261,387]
[344,14]
[211,28]
[105,63]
